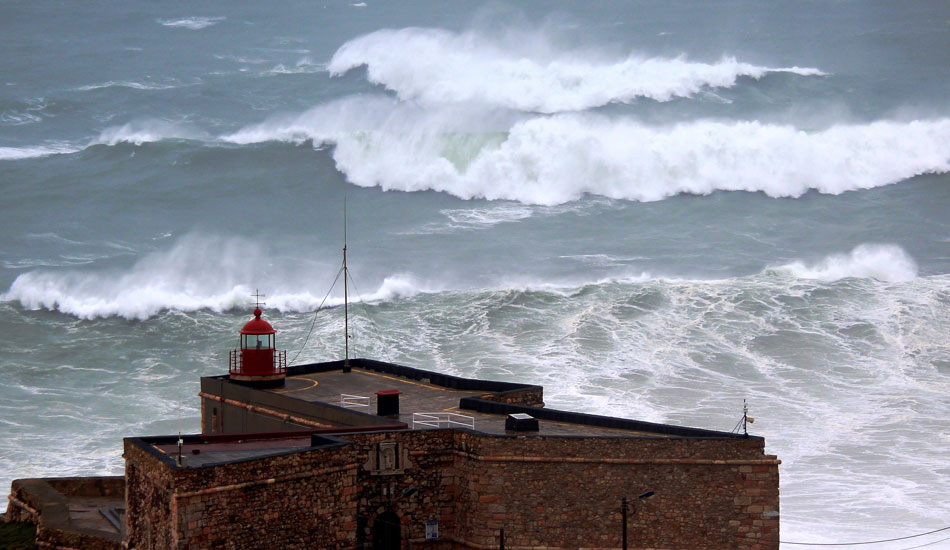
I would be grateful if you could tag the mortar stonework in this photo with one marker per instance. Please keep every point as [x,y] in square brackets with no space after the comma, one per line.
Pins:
[545,492]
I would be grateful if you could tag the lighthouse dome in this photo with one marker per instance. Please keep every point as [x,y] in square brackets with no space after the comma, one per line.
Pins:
[258,325]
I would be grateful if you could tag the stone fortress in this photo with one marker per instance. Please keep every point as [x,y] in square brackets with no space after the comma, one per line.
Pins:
[363,454]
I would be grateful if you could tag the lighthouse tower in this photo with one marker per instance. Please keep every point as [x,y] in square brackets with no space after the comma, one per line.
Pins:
[258,363]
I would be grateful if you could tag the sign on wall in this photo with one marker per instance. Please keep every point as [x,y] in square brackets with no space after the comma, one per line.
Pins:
[432,529]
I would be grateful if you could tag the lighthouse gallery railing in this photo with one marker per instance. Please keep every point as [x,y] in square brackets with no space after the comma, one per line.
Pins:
[235,365]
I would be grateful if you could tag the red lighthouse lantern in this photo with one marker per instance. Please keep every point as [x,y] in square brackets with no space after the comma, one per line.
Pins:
[258,362]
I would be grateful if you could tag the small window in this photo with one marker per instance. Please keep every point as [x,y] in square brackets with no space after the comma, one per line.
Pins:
[257,341]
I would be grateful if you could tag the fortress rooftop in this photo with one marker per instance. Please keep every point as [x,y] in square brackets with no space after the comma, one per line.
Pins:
[374,396]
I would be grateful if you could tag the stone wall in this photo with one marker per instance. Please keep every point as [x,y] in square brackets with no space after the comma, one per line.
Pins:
[43,502]
[148,502]
[299,500]
[545,492]
[427,490]
[566,493]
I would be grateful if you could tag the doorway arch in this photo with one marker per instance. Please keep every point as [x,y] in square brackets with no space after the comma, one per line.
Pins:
[387,532]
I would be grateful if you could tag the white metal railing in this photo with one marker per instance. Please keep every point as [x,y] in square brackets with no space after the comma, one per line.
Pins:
[442,419]
[351,401]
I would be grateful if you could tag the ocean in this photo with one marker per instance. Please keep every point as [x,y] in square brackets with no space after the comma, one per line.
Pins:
[656,210]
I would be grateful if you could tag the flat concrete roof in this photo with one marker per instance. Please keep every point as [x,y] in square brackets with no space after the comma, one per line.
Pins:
[216,452]
[422,397]
[87,512]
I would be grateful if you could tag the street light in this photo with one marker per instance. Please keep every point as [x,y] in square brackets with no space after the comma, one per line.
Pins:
[624,505]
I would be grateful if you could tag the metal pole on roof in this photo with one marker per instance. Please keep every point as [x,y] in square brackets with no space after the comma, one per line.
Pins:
[346,299]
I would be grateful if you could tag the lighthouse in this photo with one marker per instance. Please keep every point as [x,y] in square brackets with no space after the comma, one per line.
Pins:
[258,363]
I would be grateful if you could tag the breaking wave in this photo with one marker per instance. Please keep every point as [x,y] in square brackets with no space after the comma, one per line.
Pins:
[438,66]
[202,272]
[884,262]
[199,272]
[555,159]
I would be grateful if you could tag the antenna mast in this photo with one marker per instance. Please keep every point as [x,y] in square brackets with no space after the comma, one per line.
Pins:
[346,298]
[746,419]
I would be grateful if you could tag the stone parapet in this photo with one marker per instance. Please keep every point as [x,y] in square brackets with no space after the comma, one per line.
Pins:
[530,396]
[45,503]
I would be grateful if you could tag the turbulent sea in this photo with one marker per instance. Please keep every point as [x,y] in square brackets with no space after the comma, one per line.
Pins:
[654,209]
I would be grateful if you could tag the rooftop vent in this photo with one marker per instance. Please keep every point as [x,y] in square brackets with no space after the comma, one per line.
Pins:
[520,422]
[387,403]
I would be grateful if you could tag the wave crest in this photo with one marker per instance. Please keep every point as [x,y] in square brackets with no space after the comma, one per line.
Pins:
[556,159]
[146,131]
[884,262]
[438,66]
[197,273]
[200,272]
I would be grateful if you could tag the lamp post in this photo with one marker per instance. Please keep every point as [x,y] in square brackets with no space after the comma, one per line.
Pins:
[624,506]
[623,525]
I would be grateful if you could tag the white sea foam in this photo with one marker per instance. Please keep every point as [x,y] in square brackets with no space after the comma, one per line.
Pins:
[304,65]
[146,131]
[18,153]
[884,262]
[192,23]
[473,153]
[29,111]
[480,217]
[467,219]
[240,59]
[128,84]
[528,72]
[10,118]
[394,287]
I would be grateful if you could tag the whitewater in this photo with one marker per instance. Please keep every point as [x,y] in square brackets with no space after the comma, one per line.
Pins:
[655,212]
